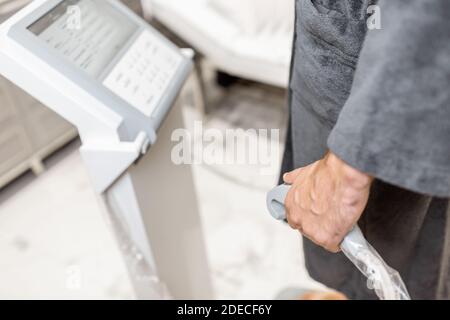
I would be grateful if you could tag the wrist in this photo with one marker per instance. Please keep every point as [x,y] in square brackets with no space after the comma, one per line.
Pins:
[350,175]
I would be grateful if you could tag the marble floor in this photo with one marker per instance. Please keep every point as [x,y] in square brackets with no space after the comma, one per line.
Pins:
[55,243]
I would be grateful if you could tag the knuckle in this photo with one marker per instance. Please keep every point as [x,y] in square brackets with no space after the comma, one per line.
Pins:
[329,245]
[332,244]
[307,231]
[322,239]
[292,224]
[294,221]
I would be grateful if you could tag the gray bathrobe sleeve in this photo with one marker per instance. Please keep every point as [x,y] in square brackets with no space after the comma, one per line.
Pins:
[395,124]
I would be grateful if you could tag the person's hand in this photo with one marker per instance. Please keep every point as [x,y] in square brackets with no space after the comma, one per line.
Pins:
[326,200]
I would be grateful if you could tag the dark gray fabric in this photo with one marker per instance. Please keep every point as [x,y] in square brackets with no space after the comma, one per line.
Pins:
[396,122]
[380,100]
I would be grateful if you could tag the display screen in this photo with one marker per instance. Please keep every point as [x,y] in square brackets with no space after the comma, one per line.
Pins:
[89,33]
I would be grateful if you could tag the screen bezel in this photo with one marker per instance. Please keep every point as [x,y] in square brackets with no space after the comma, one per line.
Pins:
[110,64]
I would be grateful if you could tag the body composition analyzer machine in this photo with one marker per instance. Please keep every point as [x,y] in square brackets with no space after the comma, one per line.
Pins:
[117,79]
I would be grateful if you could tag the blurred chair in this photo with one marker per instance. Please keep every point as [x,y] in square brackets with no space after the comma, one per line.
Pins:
[249,39]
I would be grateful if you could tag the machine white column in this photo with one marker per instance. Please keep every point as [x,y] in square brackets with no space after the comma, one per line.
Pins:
[155,201]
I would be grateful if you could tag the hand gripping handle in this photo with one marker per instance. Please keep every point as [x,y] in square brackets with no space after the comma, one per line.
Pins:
[386,282]
[275,203]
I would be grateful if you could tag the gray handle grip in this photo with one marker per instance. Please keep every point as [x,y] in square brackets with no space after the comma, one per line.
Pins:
[275,203]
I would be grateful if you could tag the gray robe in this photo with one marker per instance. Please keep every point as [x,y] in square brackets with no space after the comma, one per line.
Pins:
[380,100]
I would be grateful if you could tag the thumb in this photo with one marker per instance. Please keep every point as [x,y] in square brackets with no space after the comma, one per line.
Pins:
[290,177]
